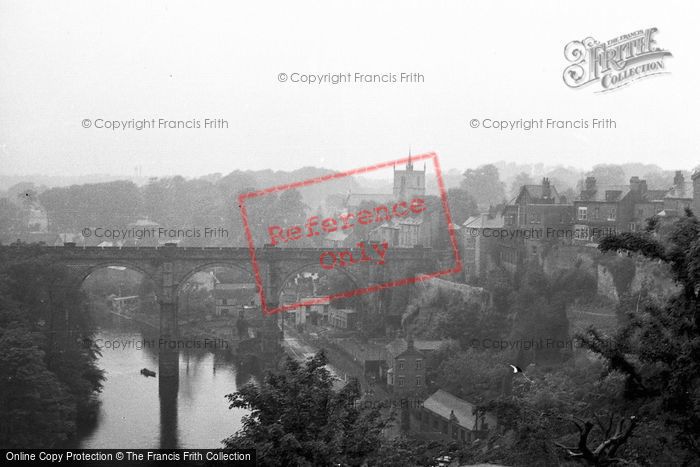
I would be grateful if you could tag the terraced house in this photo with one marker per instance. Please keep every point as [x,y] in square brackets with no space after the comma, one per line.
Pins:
[604,209]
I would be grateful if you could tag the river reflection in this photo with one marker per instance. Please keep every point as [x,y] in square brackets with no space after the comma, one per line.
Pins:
[137,413]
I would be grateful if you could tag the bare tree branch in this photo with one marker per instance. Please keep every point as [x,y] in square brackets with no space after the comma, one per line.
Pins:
[604,453]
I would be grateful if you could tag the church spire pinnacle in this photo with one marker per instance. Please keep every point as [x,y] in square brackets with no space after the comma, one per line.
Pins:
[409,165]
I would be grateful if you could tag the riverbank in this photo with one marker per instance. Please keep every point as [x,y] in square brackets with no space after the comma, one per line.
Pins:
[220,331]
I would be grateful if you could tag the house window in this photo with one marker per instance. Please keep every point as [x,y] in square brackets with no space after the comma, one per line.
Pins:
[419,364]
[401,381]
[436,423]
[401,364]
[633,227]
[596,213]
[419,380]
[463,434]
[582,214]
[612,214]
[454,433]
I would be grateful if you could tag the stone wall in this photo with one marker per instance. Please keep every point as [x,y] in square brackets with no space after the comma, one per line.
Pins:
[567,256]
[652,276]
[427,291]
[606,284]
[649,275]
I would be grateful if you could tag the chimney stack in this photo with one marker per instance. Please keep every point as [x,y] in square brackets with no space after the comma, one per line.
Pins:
[546,188]
[634,184]
[679,180]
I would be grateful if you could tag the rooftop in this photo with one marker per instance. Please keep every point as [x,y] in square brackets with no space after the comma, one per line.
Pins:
[38,237]
[483,221]
[446,405]
[399,346]
[599,193]
[345,311]
[354,199]
[143,223]
[656,195]
[537,192]
[396,223]
[337,236]
[685,191]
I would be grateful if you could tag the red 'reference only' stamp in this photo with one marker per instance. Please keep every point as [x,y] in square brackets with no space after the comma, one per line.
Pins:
[366,231]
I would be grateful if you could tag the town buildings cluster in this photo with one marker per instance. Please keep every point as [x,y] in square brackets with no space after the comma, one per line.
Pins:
[523,229]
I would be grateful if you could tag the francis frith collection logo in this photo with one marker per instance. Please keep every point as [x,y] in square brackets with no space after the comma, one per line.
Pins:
[615,63]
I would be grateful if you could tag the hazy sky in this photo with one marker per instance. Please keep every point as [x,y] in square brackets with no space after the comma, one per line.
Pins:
[62,62]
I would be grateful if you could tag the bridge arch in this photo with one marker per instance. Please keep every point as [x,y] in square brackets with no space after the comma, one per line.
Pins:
[213,264]
[315,266]
[85,272]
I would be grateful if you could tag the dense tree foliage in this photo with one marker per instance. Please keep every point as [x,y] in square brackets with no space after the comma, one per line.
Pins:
[297,418]
[632,397]
[47,358]
[608,174]
[484,185]
[13,220]
[71,209]
[171,202]
[521,179]
[658,350]
[462,205]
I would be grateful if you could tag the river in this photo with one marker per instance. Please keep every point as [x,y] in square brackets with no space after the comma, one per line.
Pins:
[133,411]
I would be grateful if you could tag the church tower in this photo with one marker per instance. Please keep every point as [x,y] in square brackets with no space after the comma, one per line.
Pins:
[409,183]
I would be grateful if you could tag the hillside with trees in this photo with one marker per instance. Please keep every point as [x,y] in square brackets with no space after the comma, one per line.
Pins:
[47,355]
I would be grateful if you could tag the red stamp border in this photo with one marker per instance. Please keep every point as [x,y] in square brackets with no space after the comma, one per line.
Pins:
[351,293]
